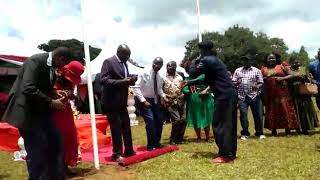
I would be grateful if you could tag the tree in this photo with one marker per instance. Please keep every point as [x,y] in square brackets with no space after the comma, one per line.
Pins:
[75,45]
[304,56]
[237,41]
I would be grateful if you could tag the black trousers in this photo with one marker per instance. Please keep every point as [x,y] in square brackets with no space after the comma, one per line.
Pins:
[120,128]
[225,126]
[45,151]
[178,121]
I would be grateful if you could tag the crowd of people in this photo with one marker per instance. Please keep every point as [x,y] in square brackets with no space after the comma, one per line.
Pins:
[210,96]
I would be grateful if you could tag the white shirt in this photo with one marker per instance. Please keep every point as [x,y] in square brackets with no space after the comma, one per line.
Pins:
[49,60]
[49,63]
[145,85]
[124,67]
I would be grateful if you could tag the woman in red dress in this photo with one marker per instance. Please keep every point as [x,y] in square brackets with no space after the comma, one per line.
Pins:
[67,78]
[280,112]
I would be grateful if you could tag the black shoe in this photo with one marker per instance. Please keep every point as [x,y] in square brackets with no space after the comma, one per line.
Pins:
[159,146]
[274,132]
[172,143]
[129,154]
[115,157]
[118,159]
[150,148]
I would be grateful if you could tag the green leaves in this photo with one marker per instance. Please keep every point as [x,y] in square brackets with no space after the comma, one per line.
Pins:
[238,41]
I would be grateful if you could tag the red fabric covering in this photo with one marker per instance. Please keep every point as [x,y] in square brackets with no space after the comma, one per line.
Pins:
[105,155]
[85,133]
[15,58]
[9,135]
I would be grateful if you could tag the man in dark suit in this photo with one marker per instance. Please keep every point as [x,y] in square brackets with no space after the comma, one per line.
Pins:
[225,99]
[29,109]
[115,80]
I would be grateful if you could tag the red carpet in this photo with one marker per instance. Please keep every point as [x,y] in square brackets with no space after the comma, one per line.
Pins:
[105,154]
[9,135]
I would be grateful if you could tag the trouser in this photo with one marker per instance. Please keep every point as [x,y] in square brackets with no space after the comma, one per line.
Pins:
[225,126]
[256,108]
[178,122]
[154,123]
[44,151]
[120,128]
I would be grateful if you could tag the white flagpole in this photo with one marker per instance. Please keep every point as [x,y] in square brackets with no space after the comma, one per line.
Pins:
[198,17]
[90,89]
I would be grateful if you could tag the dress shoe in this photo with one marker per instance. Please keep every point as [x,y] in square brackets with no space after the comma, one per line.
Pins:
[159,146]
[173,143]
[222,159]
[129,154]
[150,148]
[117,158]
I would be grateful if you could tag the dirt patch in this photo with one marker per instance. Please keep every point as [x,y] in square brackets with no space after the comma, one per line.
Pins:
[105,173]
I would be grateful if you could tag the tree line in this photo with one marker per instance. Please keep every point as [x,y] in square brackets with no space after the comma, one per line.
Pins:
[237,41]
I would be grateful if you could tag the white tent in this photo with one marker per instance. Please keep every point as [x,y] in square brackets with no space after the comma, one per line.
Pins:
[96,65]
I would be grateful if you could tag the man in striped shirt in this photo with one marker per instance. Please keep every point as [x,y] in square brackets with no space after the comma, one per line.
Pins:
[249,81]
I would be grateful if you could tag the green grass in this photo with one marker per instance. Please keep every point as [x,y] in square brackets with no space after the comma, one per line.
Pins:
[293,157]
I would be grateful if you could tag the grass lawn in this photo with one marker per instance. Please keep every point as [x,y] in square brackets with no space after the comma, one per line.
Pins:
[282,157]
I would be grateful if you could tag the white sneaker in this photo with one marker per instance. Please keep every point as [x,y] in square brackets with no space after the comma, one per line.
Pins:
[244,137]
[262,137]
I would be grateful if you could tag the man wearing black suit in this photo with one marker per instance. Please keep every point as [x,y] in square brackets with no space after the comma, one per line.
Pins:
[115,80]
[29,109]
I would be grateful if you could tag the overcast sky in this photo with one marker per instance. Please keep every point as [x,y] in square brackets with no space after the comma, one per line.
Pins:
[152,27]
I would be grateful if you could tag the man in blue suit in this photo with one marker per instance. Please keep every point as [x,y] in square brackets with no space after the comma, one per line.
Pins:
[115,80]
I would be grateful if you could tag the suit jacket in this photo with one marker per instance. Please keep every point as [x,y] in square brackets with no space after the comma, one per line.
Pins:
[115,89]
[28,103]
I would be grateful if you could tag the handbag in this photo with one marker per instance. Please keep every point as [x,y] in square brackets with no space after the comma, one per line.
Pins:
[308,88]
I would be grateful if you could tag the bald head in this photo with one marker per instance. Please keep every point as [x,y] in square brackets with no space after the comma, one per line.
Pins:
[123,52]
[157,64]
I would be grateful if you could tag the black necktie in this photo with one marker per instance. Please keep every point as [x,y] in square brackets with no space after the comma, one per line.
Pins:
[155,87]
[124,69]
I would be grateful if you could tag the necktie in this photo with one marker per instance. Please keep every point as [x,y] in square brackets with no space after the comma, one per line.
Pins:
[155,87]
[52,71]
[124,68]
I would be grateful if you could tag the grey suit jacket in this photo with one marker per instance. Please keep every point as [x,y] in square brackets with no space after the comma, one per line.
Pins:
[28,103]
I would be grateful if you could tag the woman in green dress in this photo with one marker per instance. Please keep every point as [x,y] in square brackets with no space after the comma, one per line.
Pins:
[199,111]
[303,104]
